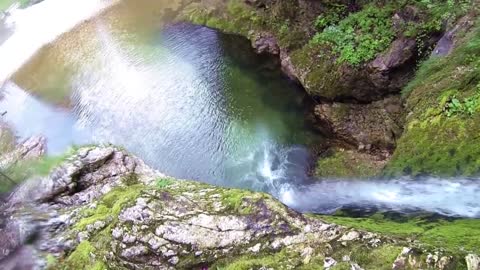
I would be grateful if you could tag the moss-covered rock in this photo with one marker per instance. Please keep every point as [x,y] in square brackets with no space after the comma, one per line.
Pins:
[352,55]
[441,134]
[348,164]
[374,126]
[456,235]
[317,41]
[104,209]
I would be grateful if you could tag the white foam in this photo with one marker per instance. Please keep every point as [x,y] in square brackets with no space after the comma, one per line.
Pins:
[41,24]
[454,197]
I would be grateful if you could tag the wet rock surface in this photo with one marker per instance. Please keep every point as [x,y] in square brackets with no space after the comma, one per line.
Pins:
[105,208]
[366,126]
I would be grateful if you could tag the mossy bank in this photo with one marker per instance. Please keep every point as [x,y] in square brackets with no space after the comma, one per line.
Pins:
[441,134]
[104,209]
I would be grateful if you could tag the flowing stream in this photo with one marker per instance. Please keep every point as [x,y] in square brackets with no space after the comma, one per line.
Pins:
[192,102]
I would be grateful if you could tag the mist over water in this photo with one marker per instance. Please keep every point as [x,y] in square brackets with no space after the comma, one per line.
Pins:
[195,104]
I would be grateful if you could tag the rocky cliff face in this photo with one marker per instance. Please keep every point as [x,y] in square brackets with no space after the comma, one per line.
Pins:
[351,56]
[105,209]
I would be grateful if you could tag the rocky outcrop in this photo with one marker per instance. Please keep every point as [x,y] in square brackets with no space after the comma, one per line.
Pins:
[31,148]
[267,43]
[12,151]
[473,262]
[366,135]
[7,137]
[385,75]
[105,209]
[317,69]
[90,174]
[411,258]
[367,127]
[288,29]
[451,37]
[392,69]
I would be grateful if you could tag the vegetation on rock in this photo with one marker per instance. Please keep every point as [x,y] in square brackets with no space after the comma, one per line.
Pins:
[456,235]
[441,135]
[360,36]
[347,164]
[123,215]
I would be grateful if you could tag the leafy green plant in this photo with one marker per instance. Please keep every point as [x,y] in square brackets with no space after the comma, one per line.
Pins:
[163,183]
[331,16]
[436,15]
[467,107]
[284,28]
[360,36]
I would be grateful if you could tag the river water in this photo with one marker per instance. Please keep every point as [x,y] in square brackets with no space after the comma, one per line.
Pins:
[190,101]
[195,104]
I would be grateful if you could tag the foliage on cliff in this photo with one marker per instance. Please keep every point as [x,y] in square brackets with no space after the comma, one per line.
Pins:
[104,209]
[359,36]
[331,44]
[456,235]
[441,136]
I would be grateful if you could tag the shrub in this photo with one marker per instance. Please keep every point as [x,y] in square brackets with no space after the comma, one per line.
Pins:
[360,36]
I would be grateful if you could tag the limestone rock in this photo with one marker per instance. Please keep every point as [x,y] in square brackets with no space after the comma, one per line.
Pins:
[473,262]
[266,43]
[350,236]
[383,74]
[138,225]
[329,263]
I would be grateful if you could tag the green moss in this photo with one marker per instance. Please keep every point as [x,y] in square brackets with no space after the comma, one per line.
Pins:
[110,206]
[83,258]
[130,180]
[458,234]
[461,235]
[322,74]
[51,260]
[163,182]
[346,164]
[7,139]
[360,36]
[380,258]
[283,259]
[233,17]
[240,201]
[340,266]
[441,137]
[439,146]
[88,254]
